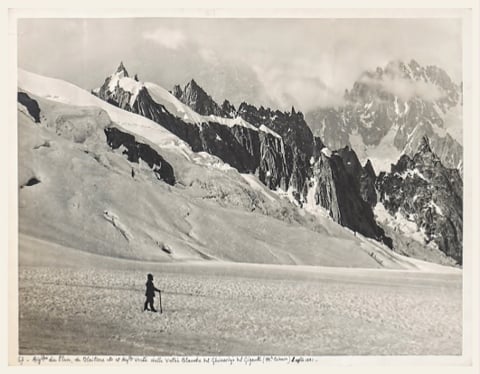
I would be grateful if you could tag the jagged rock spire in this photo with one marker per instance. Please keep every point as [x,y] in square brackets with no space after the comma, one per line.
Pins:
[121,69]
[369,169]
[196,98]
[194,84]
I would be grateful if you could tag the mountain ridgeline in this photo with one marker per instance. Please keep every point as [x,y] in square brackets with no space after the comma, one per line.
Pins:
[278,147]
[282,151]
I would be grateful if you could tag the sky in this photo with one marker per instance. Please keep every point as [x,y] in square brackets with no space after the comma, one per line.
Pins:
[307,63]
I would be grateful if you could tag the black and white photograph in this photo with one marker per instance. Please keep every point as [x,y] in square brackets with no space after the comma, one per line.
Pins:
[267,185]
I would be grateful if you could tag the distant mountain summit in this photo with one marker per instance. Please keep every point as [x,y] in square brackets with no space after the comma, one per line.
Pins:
[424,200]
[389,110]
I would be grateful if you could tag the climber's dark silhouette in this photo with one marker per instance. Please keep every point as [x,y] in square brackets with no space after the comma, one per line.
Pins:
[150,293]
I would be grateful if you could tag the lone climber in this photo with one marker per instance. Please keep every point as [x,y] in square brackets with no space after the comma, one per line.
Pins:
[150,293]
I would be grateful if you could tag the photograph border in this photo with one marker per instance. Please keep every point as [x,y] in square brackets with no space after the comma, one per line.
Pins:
[469,16]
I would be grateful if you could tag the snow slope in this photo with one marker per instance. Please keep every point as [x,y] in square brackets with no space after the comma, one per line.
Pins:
[98,207]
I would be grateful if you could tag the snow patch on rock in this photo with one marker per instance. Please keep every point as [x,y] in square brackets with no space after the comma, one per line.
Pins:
[399,223]
[412,174]
[327,152]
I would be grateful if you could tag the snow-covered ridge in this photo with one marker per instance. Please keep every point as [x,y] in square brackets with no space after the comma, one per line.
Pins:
[67,93]
[183,111]
[176,107]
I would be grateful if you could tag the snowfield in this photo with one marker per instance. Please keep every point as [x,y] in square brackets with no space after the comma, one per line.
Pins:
[72,302]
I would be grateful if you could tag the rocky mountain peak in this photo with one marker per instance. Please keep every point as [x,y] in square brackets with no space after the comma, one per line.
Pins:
[177,91]
[427,197]
[338,191]
[122,70]
[229,109]
[193,85]
[196,98]
[404,100]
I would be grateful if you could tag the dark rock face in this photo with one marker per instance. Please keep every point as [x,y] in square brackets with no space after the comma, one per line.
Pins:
[196,98]
[136,151]
[372,110]
[338,193]
[367,184]
[424,191]
[31,105]
[296,135]
[363,177]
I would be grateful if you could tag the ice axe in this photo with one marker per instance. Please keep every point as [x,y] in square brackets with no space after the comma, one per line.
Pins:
[160,300]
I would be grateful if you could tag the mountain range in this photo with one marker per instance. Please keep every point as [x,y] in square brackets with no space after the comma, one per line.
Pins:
[388,111]
[260,161]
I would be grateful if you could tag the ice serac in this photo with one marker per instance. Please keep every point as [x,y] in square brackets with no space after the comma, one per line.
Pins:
[244,147]
[337,192]
[389,110]
[136,151]
[429,195]
[196,98]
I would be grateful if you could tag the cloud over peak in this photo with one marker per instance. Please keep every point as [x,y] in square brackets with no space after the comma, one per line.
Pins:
[405,88]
